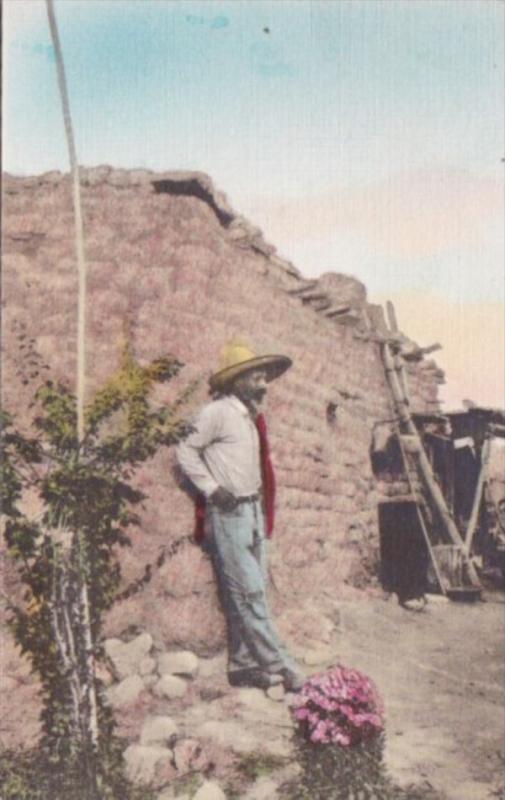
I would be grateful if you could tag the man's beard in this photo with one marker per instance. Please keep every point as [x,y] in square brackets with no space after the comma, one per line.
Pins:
[258,395]
[252,397]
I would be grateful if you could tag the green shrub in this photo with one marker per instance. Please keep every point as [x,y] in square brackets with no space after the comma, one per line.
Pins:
[66,556]
[347,773]
[253,765]
[29,775]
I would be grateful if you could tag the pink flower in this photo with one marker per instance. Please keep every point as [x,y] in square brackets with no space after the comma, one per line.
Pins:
[340,706]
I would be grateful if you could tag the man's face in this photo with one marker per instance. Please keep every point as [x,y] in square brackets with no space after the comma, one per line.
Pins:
[251,387]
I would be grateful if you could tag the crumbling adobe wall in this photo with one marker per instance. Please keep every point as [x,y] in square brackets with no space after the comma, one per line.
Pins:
[167,254]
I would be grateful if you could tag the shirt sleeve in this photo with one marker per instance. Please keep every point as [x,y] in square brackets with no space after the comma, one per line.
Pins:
[190,451]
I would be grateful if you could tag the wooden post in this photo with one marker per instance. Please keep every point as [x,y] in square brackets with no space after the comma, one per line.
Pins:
[474,516]
[391,315]
[79,235]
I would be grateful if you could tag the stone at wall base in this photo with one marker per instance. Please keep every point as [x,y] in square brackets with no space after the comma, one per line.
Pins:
[158,730]
[183,662]
[126,692]
[170,686]
[144,762]
[126,657]
[210,790]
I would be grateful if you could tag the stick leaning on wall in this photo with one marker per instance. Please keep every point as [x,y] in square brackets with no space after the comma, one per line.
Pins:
[90,727]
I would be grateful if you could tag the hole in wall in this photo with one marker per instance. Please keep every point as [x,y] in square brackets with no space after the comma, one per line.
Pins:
[331,413]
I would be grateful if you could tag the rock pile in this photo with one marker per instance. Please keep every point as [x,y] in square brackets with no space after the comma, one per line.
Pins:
[190,723]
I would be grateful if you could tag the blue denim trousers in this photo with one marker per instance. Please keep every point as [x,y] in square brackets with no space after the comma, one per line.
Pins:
[239,550]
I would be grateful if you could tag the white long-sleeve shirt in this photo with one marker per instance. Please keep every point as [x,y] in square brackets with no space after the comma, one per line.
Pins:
[223,450]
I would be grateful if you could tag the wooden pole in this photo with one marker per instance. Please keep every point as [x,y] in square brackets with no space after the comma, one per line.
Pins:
[90,722]
[79,234]
[393,325]
[477,500]
[391,315]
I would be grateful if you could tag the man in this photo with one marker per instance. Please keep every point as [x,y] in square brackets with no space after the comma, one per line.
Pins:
[227,461]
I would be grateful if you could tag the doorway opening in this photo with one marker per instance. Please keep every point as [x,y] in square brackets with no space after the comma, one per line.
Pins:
[403,551]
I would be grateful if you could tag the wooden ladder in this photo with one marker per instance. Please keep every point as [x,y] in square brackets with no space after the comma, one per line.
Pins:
[451,561]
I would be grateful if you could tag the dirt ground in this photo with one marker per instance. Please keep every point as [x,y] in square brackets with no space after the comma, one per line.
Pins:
[442,675]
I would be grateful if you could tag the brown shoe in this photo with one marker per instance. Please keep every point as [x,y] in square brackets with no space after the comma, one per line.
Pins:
[254,677]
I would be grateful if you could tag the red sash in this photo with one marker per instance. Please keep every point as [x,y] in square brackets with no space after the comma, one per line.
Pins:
[268,481]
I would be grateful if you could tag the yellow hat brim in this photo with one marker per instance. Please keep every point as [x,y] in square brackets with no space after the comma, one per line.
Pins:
[274,367]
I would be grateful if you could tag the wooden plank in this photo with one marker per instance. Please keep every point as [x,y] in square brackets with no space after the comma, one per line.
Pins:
[497,430]
[375,314]
[402,375]
[336,310]
[450,565]
[305,287]
[391,315]
[308,297]
[398,498]
[479,490]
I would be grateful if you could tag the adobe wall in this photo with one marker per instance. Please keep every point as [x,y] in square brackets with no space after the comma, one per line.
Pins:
[168,253]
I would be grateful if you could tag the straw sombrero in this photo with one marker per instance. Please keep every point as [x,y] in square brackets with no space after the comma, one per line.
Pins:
[237,358]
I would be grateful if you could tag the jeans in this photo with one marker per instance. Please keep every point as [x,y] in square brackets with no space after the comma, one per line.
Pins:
[239,550]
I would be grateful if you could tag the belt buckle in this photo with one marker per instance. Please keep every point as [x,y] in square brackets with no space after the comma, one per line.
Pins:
[251,498]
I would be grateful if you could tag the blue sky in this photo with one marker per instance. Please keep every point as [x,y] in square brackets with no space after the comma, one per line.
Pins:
[363,137]
[336,90]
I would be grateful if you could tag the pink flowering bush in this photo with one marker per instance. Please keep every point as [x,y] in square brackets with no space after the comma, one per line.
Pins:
[340,707]
[339,741]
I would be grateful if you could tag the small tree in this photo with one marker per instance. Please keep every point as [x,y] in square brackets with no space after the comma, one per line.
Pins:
[65,555]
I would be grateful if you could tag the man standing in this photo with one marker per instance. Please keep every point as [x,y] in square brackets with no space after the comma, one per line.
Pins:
[226,458]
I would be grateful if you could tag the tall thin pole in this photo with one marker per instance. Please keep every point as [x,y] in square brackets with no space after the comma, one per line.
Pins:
[479,489]
[79,234]
[91,722]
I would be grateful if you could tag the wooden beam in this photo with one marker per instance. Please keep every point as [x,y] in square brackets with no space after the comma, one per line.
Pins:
[306,286]
[336,310]
[309,296]
[477,500]
[391,314]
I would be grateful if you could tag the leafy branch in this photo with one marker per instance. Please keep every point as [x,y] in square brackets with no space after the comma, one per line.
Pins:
[65,557]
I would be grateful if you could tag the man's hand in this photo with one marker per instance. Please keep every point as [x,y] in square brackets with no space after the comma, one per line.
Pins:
[223,499]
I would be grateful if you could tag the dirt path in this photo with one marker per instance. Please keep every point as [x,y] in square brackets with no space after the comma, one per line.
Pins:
[442,676]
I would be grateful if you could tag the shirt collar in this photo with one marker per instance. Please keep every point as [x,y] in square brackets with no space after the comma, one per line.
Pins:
[239,405]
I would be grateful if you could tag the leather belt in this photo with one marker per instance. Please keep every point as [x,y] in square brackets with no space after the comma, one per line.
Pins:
[251,498]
